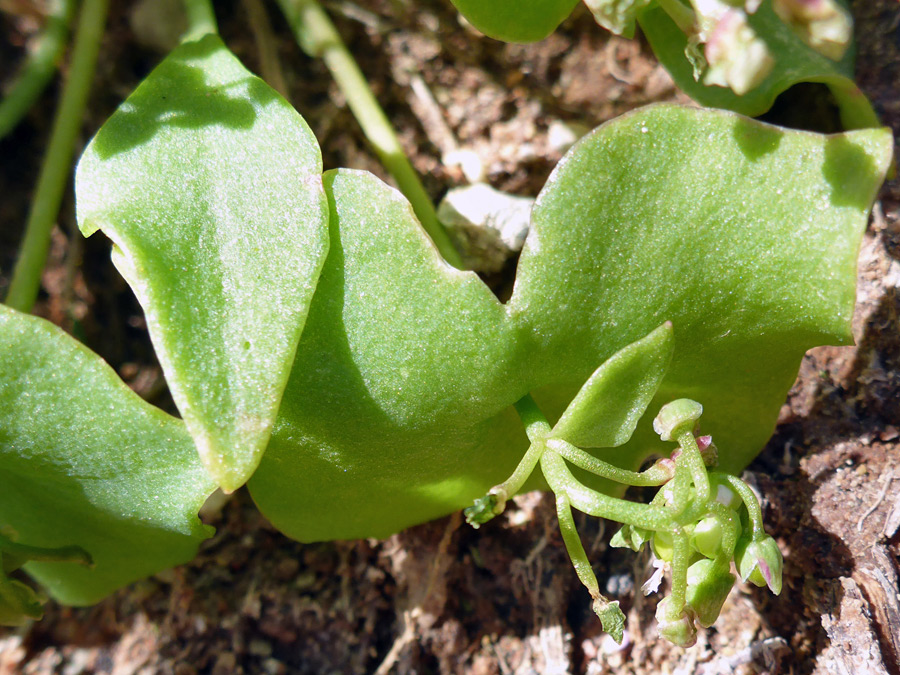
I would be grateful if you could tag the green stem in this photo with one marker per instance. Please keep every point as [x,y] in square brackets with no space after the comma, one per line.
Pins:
[593,503]
[201,19]
[536,428]
[23,289]
[748,497]
[681,556]
[318,37]
[577,554]
[266,46]
[655,475]
[39,66]
[732,529]
[681,15]
[690,455]
[23,552]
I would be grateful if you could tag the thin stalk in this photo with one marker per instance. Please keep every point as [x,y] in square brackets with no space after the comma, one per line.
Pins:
[750,501]
[575,548]
[681,558]
[26,280]
[39,66]
[594,503]
[201,19]
[731,526]
[690,455]
[318,37]
[681,15]
[536,428]
[654,476]
[266,46]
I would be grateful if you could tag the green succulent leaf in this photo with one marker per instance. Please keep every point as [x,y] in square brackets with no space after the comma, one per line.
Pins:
[398,407]
[515,20]
[743,235]
[795,62]
[84,462]
[209,185]
[608,407]
[397,410]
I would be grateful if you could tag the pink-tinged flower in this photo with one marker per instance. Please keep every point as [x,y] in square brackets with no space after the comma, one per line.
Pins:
[822,24]
[760,562]
[737,57]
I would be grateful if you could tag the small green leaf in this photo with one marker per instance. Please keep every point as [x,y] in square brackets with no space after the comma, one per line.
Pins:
[611,618]
[18,603]
[85,462]
[515,20]
[208,183]
[607,408]
[795,62]
[630,536]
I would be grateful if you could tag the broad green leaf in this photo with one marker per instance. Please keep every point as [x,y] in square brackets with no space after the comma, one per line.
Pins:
[795,62]
[85,462]
[397,410]
[515,20]
[209,185]
[743,235]
[608,406]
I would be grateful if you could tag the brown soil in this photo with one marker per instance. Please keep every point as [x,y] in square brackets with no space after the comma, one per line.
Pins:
[442,597]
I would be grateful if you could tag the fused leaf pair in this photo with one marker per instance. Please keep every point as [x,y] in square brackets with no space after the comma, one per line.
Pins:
[317,345]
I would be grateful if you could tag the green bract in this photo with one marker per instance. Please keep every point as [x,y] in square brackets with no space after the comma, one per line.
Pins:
[85,462]
[209,184]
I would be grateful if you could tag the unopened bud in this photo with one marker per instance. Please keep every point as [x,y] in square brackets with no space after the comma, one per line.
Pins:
[706,538]
[822,24]
[680,631]
[677,417]
[708,586]
[663,546]
[760,562]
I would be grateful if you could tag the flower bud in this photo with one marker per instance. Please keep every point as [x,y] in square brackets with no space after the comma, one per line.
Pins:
[822,24]
[708,586]
[680,631]
[677,417]
[760,562]
[707,537]
[663,546]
